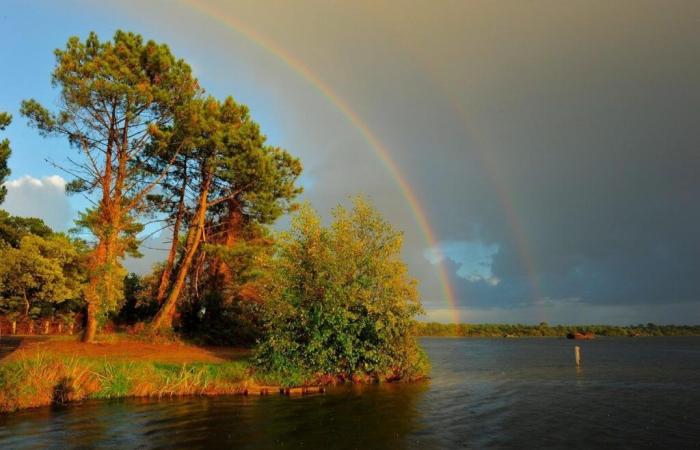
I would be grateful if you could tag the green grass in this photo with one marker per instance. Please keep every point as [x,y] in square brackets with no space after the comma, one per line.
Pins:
[289,378]
[43,380]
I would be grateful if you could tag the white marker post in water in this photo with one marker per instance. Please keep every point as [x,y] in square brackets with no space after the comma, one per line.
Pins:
[577,354]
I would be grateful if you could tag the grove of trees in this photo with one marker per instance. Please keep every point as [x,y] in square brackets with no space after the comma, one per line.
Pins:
[150,148]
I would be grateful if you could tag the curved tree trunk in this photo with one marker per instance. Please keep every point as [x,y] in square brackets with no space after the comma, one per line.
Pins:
[170,262]
[164,319]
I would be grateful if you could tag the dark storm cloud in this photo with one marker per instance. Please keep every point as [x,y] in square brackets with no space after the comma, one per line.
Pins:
[598,152]
[563,134]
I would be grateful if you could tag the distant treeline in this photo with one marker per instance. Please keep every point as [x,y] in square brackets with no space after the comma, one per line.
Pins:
[544,329]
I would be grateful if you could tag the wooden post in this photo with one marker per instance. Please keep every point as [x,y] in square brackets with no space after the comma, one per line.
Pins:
[577,354]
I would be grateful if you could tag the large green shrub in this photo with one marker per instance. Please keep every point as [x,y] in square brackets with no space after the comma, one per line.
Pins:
[342,303]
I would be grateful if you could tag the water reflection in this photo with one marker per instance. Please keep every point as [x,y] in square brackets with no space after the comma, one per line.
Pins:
[345,418]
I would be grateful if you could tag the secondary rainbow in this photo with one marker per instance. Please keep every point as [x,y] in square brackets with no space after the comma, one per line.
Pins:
[381,151]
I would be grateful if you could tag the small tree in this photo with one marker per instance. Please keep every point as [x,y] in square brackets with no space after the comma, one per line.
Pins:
[342,303]
[14,228]
[40,274]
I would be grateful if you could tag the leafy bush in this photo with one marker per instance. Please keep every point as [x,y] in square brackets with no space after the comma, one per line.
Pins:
[342,304]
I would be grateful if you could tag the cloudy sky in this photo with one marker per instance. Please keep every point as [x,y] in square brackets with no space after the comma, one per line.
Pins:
[553,146]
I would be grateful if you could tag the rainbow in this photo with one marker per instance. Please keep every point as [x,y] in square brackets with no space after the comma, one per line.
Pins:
[518,233]
[381,151]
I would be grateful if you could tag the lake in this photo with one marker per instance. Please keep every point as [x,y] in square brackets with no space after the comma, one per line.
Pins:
[483,393]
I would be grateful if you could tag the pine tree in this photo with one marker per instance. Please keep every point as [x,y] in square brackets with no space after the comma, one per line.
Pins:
[239,182]
[115,98]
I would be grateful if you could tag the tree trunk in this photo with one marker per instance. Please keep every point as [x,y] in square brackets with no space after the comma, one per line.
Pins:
[14,327]
[103,254]
[164,318]
[47,324]
[26,304]
[90,324]
[168,269]
[92,295]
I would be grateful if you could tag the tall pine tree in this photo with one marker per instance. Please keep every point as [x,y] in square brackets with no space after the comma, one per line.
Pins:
[115,98]
[238,180]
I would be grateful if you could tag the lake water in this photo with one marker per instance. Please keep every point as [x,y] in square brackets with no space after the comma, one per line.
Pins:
[484,393]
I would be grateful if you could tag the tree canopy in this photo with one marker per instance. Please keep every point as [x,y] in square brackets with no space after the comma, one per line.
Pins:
[40,273]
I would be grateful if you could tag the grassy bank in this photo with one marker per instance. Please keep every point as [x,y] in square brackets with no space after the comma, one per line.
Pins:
[41,370]
[44,370]
[43,380]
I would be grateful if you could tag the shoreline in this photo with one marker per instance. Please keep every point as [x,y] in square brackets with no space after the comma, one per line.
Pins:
[47,380]
[53,371]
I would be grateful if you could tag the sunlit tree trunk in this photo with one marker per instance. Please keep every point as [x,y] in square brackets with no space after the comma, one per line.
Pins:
[164,318]
[170,262]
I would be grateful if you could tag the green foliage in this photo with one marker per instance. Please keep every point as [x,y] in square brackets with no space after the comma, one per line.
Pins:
[260,178]
[230,310]
[342,303]
[13,228]
[139,299]
[40,274]
[5,151]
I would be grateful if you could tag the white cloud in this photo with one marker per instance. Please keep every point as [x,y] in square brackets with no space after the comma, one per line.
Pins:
[44,198]
[473,257]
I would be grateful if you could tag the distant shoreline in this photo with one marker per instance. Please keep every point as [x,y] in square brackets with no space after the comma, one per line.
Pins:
[435,329]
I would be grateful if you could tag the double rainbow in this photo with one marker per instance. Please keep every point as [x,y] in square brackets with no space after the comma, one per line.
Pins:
[374,143]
